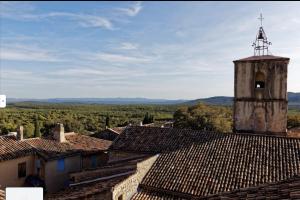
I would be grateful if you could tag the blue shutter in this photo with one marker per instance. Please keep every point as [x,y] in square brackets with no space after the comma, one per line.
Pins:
[94,161]
[61,165]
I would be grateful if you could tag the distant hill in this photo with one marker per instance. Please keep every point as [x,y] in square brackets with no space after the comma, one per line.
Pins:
[294,100]
[106,101]
[218,100]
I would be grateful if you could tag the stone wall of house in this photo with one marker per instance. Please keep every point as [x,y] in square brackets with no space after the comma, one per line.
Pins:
[56,180]
[263,109]
[101,159]
[9,171]
[128,187]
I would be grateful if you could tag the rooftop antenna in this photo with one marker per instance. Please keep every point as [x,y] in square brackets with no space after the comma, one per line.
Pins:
[261,44]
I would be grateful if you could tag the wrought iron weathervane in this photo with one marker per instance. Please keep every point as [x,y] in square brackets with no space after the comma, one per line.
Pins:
[261,44]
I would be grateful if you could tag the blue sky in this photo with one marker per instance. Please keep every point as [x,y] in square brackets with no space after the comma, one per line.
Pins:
[173,50]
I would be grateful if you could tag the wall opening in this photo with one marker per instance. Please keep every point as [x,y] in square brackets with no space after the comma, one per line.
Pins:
[259,85]
[22,169]
[120,197]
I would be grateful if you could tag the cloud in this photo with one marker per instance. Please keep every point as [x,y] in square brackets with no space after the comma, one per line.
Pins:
[27,12]
[133,10]
[128,46]
[26,53]
[119,58]
[78,72]
[16,73]
[84,20]
[17,10]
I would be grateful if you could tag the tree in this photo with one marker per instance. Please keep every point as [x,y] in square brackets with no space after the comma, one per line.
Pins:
[107,121]
[37,129]
[28,130]
[204,117]
[293,121]
[148,119]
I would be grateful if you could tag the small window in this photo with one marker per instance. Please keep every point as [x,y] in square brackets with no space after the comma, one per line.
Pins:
[120,197]
[61,165]
[259,84]
[94,161]
[259,80]
[22,170]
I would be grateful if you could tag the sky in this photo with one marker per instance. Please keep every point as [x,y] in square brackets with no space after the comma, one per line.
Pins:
[170,50]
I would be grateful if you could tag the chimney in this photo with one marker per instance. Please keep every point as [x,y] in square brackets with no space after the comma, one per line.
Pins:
[141,123]
[20,133]
[59,133]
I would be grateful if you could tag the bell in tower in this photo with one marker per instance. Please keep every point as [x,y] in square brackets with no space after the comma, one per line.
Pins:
[260,35]
[260,91]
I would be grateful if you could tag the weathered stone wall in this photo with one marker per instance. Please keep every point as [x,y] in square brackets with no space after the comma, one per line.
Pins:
[261,109]
[129,186]
[253,116]
[275,79]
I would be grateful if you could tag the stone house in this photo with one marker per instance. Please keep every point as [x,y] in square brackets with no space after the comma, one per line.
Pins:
[48,160]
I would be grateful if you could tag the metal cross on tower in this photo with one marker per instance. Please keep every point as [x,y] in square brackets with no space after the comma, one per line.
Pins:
[261,19]
[261,44]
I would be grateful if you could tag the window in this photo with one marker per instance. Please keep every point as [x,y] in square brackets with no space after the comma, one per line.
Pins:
[259,84]
[22,170]
[259,80]
[61,165]
[94,161]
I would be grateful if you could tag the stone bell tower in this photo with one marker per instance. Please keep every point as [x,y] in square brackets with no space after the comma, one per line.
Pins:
[260,91]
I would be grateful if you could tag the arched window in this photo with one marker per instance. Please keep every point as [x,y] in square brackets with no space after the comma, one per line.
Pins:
[259,80]
[259,85]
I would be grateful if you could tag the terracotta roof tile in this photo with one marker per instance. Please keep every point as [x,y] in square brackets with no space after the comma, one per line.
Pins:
[88,144]
[87,190]
[110,133]
[2,195]
[155,139]
[51,149]
[287,189]
[10,148]
[200,163]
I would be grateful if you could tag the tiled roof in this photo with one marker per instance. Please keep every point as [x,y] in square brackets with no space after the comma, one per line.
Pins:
[51,149]
[197,163]
[10,148]
[155,139]
[86,191]
[110,133]
[87,144]
[294,132]
[150,195]
[2,195]
[287,189]
[108,170]
[265,57]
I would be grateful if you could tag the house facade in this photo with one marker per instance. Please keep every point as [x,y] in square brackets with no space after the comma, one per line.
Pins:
[48,161]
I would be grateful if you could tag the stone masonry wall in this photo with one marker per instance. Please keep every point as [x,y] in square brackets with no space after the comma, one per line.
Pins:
[128,187]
